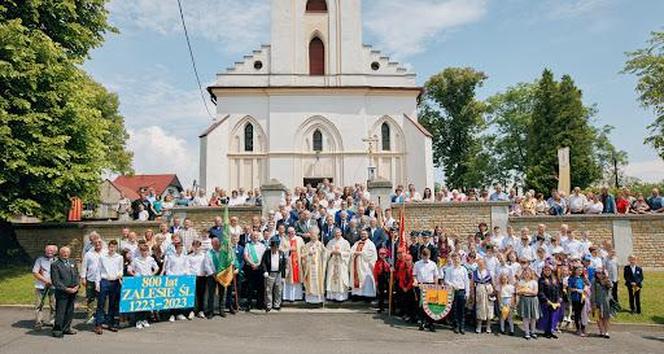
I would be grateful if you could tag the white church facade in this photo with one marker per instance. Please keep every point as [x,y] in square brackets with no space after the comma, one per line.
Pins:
[309,106]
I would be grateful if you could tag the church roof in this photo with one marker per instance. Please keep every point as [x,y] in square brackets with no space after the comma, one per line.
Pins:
[213,126]
[419,126]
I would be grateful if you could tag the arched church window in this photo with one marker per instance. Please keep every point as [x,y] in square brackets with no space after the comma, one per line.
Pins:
[385,136]
[318,140]
[249,137]
[316,57]
[316,6]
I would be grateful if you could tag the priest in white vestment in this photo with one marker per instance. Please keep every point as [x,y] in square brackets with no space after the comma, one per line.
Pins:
[337,279]
[293,246]
[362,261]
[314,257]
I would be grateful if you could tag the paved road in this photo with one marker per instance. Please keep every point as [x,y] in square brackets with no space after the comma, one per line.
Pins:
[303,331]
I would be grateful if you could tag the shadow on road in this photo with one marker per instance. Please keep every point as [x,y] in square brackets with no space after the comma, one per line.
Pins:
[658,339]
[30,326]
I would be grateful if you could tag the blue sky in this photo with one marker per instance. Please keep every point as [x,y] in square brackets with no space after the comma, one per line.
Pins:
[512,41]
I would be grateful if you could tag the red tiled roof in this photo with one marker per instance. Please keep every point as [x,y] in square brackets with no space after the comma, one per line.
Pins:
[130,185]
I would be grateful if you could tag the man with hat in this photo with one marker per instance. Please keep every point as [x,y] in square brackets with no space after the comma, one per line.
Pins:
[414,248]
[428,243]
[273,265]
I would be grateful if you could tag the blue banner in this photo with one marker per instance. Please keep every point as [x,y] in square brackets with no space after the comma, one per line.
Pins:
[157,293]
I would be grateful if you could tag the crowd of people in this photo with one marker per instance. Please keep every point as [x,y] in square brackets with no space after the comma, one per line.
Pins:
[334,245]
[151,206]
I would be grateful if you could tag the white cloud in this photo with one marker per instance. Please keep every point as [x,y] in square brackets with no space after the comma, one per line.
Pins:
[573,8]
[405,28]
[649,171]
[157,151]
[237,25]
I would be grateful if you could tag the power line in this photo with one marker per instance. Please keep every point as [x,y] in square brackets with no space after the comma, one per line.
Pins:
[193,61]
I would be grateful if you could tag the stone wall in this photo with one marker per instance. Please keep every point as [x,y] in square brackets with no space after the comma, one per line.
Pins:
[458,218]
[642,235]
[34,236]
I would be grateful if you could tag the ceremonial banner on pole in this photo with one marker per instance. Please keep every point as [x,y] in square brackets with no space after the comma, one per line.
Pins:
[157,293]
[436,300]
[224,265]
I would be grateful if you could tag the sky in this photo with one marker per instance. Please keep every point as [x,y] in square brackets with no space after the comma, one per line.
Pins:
[147,64]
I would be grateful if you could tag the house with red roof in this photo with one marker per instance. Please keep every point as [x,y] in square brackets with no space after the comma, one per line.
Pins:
[133,186]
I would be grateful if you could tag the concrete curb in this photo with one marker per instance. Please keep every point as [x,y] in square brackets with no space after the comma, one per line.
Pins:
[303,309]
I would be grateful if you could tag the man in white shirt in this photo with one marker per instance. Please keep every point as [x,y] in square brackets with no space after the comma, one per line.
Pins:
[143,266]
[510,240]
[188,234]
[273,265]
[41,271]
[196,266]
[576,202]
[425,271]
[177,264]
[573,247]
[108,284]
[456,278]
[89,273]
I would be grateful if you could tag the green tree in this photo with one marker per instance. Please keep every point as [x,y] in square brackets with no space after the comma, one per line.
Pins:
[561,120]
[648,66]
[58,128]
[452,113]
[510,115]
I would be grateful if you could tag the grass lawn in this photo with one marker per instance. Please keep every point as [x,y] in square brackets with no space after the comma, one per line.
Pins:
[16,288]
[652,301]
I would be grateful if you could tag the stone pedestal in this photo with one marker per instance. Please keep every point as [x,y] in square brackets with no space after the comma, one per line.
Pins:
[273,192]
[380,191]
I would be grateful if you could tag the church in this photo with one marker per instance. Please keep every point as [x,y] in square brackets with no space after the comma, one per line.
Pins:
[316,103]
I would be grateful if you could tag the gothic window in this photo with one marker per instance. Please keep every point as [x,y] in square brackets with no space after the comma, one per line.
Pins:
[316,6]
[316,57]
[385,136]
[318,140]
[249,137]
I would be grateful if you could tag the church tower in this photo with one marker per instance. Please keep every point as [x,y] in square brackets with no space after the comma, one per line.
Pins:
[316,37]
[303,108]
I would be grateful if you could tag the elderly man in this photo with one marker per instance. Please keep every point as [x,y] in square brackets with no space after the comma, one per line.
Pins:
[65,279]
[498,195]
[41,271]
[337,278]
[253,253]
[188,234]
[217,228]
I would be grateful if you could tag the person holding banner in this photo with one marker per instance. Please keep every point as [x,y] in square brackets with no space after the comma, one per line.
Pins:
[178,264]
[424,272]
[405,280]
[273,265]
[109,281]
[456,277]
[219,263]
[143,266]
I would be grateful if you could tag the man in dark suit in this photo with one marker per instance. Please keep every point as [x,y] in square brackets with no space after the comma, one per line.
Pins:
[634,282]
[273,264]
[414,248]
[327,229]
[427,243]
[65,280]
[376,234]
[352,232]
